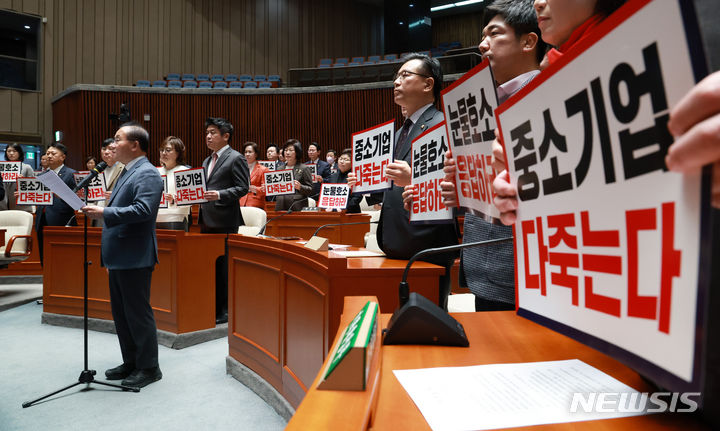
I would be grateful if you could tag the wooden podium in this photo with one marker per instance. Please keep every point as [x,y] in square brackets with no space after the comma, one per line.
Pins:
[495,337]
[285,303]
[182,293]
[304,224]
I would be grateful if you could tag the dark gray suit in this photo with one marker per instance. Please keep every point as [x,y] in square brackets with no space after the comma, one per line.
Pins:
[129,252]
[57,214]
[231,178]
[399,239]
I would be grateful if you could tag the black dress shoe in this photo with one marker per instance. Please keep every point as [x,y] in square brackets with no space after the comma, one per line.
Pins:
[142,378]
[223,318]
[120,372]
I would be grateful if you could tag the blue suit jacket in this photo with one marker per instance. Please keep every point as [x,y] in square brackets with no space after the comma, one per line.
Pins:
[128,238]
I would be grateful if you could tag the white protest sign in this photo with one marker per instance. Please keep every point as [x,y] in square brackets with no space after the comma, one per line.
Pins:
[32,192]
[10,171]
[607,241]
[334,196]
[270,164]
[428,156]
[469,106]
[279,183]
[190,186]
[96,187]
[372,152]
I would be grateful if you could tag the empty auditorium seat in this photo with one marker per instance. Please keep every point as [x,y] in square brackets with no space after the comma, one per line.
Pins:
[217,78]
[187,77]
[368,63]
[260,78]
[159,83]
[324,65]
[173,76]
[220,84]
[205,84]
[339,65]
[142,83]
[353,63]
[250,84]
[236,84]
[203,77]
[391,57]
[190,84]
[374,58]
[175,84]
[231,77]
[265,84]
[342,60]
[245,78]
[357,59]
[325,61]
[274,78]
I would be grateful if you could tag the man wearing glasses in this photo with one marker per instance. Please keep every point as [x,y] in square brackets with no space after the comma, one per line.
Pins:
[417,88]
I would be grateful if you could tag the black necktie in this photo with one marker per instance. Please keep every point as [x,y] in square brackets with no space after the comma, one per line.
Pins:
[122,173]
[403,136]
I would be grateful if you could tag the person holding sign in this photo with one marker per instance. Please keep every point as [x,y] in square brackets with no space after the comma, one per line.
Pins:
[172,157]
[562,24]
[256,195]
[416,89]
[59,213]
[129,252]
[303,179]
[344,163]
[15,153]
[511,42]
[322,168]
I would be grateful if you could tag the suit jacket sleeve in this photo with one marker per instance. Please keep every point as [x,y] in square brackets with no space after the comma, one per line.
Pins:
[305,179]
[147,190]
[240,180]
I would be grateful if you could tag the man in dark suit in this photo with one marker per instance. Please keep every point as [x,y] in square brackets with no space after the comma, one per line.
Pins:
[322,168]
[228,179]
[129,252]
[417,88]
[59,213]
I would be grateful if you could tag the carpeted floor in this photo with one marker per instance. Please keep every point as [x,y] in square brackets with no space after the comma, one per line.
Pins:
[194,394]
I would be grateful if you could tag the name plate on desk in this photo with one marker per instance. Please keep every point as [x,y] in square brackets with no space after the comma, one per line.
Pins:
[350,361]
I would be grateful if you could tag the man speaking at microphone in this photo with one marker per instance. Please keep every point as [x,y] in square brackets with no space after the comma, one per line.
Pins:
[129,252]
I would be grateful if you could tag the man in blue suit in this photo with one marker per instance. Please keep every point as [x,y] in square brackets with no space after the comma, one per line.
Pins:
[322,168]
[59,213]
[129,252]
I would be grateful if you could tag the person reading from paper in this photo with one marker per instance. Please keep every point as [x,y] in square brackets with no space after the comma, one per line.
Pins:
[129,252]
[416,89]
[111,172]
[301,173]
[15,153]
[228,179]
[172,159]
[511,42]
[563,23]
[256,195]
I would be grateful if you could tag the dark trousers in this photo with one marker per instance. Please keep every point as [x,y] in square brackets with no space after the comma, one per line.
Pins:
[133,316]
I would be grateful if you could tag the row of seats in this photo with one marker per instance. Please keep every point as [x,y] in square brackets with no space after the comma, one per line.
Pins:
[206,84]
[438,51]
[230,77]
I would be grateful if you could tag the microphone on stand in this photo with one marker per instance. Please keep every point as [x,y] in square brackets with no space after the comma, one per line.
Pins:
[418,320]
[93,174]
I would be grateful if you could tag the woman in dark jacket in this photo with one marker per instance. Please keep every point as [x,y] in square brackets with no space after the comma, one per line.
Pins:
[303,178]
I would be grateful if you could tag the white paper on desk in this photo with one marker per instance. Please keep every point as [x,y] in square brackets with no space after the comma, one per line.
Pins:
[510,395]
[52,181]
[359,253]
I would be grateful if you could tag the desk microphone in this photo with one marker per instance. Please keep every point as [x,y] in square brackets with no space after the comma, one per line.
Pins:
[418,320]
[94,172]
[289,210]
[342,224]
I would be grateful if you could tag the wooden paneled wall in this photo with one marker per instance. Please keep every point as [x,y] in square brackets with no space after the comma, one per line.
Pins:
[328,118]
[465,28]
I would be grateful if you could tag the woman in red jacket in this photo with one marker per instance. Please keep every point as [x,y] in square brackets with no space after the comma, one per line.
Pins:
[256,194]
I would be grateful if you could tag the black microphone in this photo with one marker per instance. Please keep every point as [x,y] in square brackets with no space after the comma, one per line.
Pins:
[404,288]
[289,210]
[342,224]
[93,173]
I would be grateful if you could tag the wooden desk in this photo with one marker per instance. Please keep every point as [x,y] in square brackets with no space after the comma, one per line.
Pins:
[495,337]
[2,237]
[285,303]
[183,284]
[304,224]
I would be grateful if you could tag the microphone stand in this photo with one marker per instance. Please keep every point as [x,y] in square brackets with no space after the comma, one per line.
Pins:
[342,224]
[87,375]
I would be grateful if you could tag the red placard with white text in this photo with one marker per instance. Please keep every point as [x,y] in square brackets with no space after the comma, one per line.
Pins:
[372,151]
[96,188]
[32,192]
[469,105]
[10,171]
[426,163]
[607,241]
[334,196]
[190,186]
[279,182]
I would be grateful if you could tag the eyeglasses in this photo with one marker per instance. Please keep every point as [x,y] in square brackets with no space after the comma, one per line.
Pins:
[344,159]
[402,74]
